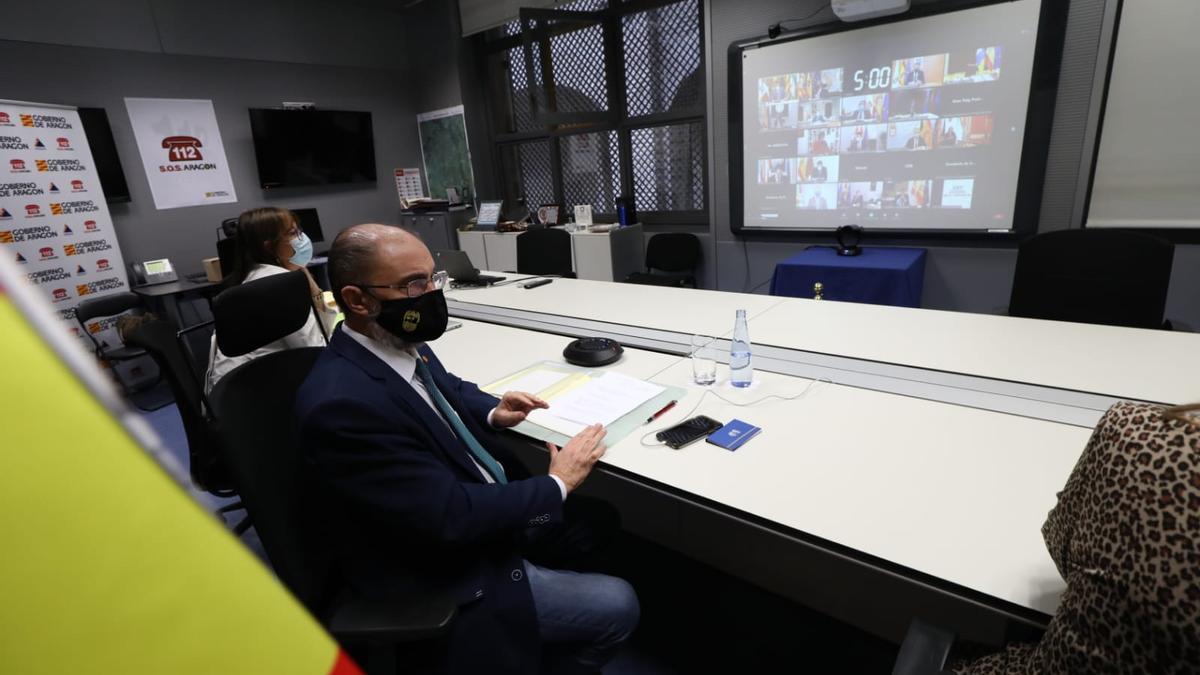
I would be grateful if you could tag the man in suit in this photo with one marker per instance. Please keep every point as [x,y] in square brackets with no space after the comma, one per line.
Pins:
[862,114]
[416,491]
[820,173]
[916,76]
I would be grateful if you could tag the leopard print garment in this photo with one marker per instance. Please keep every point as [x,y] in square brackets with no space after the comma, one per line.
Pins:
[1126,537]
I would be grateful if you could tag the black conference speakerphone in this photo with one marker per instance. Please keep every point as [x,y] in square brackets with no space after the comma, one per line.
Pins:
[592,351]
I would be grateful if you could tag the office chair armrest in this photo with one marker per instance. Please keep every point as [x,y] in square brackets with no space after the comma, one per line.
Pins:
[924,650]
[391,621]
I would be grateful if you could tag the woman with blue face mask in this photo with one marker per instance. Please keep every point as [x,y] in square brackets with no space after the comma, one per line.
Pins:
[270,241]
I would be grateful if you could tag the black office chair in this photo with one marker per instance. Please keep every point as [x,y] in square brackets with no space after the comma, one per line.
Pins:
[227,246]
[160,341]
[545,251]
[924,651]
[196,341]
[112,305]
[1111,277]
[254,405]
[675,255]
[276,301]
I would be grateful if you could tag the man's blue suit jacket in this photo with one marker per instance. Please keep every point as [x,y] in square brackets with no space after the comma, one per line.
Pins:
[402,505]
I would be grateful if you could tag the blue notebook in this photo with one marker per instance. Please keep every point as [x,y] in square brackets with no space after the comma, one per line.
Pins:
[733,435]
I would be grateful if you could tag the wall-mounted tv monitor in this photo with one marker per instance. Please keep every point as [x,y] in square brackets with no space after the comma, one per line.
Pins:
[104,154]
[310,222]
[312,147]
[922,123]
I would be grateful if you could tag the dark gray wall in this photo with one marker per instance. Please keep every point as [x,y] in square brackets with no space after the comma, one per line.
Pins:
[445,74]
[356,33]
[283,52]
[432,29]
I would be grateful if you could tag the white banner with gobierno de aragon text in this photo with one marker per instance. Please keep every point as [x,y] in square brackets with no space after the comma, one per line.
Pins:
[54,222]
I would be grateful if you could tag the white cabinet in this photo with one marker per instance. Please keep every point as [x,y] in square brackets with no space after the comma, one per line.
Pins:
[599,256]
[608,256]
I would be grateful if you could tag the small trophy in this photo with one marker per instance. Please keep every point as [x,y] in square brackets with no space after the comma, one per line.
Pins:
[818,288]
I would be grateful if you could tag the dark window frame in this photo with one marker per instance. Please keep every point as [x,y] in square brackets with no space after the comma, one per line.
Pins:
[496,42]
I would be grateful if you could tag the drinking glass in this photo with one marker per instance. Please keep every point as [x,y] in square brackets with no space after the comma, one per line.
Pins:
[704,359]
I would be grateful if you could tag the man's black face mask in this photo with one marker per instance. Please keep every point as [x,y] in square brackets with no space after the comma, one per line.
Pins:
[419,319]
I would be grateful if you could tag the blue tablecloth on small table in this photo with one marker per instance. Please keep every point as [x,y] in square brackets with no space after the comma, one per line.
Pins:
[880,275]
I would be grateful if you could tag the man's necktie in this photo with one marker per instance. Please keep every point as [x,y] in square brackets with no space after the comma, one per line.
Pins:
[484,458]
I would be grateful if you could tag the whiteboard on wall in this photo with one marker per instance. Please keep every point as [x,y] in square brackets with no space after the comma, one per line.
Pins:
[1148,163]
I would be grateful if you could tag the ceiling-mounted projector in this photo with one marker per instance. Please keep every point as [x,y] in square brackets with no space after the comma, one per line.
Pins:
[861,10]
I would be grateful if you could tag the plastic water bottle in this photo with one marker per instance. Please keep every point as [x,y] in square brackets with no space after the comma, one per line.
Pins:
[741,372]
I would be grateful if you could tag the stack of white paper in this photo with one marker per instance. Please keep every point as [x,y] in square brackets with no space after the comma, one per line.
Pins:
[603,400]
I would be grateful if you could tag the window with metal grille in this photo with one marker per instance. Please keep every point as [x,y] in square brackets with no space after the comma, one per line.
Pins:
[662,59]
[668,167]
[599,99]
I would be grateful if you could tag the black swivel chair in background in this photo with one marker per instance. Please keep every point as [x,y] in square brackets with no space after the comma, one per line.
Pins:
[227,245]
[675,255]
[545,251]
[254,405]
[1111,277]
[161,341]
[112,305]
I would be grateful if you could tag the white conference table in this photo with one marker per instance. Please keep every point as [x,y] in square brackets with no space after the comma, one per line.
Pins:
[1132,363]
[669,309]
[862,502]
[911,457]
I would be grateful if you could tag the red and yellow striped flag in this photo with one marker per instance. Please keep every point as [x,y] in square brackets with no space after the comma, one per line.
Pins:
[107,565]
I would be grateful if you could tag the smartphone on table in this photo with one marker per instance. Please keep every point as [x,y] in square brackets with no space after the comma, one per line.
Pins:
[688,431]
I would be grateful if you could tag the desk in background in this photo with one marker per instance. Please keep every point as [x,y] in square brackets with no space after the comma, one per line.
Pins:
[879,276]
[438,229]
[495,251]
[165,297]
[608,256]
[598,256]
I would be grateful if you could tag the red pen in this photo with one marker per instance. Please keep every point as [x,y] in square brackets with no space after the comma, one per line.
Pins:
[660,413]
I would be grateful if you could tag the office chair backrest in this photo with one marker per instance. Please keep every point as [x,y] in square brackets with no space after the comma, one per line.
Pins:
[158,338]
[109,305]
[256,313]
[545,251]
[254,405]
[1112,277]
[259,446]
[226,256]
[673,252]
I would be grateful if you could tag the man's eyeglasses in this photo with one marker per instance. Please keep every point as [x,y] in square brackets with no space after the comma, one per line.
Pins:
[436,282]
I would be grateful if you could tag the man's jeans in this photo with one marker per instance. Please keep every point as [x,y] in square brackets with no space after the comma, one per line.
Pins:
[584,618]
